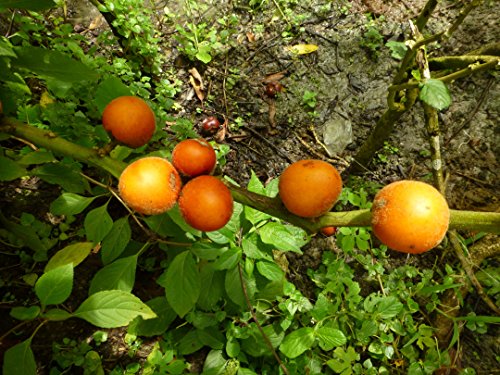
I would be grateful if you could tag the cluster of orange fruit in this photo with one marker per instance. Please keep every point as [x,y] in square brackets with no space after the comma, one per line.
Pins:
[407,216]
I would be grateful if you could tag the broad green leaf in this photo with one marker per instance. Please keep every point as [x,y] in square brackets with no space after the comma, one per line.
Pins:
[25,313]
[270,271]
[164,225]
[389,307]
[182,283]
[234,289]
[19,360]
[6,48]
[297,342]
[190,343]
[213,286]
[37,157]
[56,315]
[398,49]
[255,344]
[227,234]
[435,93]
[27,4]
[116,240]
[342,360]
[228,259]
[55,286]
[112,309]
[109,89]
[10,170]
[65,176]
[283,237]
[52,65]
[330,338]
[156,326]
[254,248]
[97,224]
[72,254]
[118,275]
[204,56]
[70,204]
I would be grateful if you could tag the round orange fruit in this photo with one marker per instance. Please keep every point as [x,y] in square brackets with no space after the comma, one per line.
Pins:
[150,185]
[410,216]
[194,157]
[206,203]
[130,120]
[310,188]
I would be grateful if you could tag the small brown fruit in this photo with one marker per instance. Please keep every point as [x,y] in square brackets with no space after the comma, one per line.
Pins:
[210,125]
[194,157]
[150,185]
[206,203]
[310,188]
[130,120]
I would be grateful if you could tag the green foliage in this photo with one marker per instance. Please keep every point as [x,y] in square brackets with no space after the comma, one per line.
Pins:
[435,93]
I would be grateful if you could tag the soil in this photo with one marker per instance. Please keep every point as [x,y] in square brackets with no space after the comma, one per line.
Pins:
[351,83]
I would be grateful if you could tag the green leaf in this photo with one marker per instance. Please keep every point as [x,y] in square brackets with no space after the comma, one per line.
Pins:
[56,315]
[256,346]
[435,93]
[343,360]
[116,240]
[10,170]
[25,313]
[297,342]
[283,237]
[97,224]
[204,56]
[254,248]
[52,65]
[213,285]
[389,307]
[65,176]
[330,338]
[228,259]
[19,360]
[183,283]
[398,49]
[109,89]
[55,286]
[26,234]
[112,309]
[70,204]
[234,290]
[270,271]
[37,157]
[156,326]
[72,254]
[27,4]
[118,275]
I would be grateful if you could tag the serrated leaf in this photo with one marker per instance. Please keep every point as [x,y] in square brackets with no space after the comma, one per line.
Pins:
[112,309]
[50,64]
[435,93]
[25,313]
[228,259]
[70,204]
[156,326]
[97,224]
[330,338]
[10,170]
[297,342]
[109,89]
[284,238]
[56,315]
[19,360]
[254,248]
[55,286]
[270,271]
[72,254]
[68,178]
[118,275]
[182,283]
[116,240]
[389,307]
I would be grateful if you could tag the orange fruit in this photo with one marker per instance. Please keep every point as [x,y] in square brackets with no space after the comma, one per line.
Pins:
[194,157]
[130,120]
[410,216]
[206,203]
[310,188]
[150,185]
[328,231]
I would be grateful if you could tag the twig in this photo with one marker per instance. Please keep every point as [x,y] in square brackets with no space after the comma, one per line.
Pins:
[269,143]
[254,317]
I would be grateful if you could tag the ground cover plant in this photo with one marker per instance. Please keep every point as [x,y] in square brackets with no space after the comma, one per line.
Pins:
[156,220]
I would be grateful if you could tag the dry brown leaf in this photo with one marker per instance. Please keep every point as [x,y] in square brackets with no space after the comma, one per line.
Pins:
[197,83]
[274,77]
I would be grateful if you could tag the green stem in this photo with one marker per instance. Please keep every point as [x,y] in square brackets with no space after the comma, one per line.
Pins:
[50,141]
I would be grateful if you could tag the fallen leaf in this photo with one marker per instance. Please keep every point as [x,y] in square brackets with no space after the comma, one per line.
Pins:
[302,49]
[197,83]
[274,77]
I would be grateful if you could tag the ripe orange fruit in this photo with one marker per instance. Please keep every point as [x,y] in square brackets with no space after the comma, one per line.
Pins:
[310,188]
[206,203]
[130,120]
[328,231]
[410,216]
[194,157]
[150,185]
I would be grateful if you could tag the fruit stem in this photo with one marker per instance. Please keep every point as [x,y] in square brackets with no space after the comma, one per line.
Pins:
[52,142]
